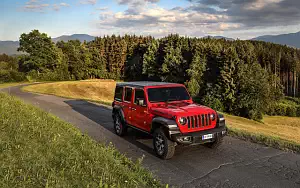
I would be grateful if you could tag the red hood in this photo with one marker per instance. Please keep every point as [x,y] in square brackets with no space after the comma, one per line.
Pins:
[197,115]
[179,109]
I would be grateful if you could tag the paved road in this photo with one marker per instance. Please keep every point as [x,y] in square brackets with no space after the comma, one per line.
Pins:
[235,164]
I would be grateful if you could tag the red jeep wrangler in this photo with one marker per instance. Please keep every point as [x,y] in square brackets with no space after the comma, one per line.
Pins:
[166,111]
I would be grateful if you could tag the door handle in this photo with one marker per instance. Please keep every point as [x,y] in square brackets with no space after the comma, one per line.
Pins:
[133,109]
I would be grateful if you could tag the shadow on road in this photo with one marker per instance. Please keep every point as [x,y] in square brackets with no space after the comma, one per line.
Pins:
[102,116]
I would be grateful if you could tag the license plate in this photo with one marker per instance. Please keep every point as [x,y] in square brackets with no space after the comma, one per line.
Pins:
[207,136]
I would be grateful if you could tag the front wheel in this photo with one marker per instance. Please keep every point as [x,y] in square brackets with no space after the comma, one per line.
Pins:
[119,125]
[164,148]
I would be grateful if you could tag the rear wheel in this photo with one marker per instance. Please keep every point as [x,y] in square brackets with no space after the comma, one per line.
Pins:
[164,148]
[216,143]
[119,125]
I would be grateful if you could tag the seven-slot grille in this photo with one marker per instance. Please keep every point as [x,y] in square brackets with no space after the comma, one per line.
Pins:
[198,121]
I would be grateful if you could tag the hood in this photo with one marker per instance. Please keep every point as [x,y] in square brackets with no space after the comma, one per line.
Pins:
[179,109]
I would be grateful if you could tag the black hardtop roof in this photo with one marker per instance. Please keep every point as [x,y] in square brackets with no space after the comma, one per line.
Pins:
[143,83]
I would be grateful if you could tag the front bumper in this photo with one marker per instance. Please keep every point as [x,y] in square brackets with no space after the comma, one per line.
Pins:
[197,137]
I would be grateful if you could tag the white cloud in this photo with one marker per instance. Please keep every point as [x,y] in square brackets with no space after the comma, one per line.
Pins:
[57,7]
[102,8]
[40,6]
[35,6]
[126,2]
[158,21]
[91,2]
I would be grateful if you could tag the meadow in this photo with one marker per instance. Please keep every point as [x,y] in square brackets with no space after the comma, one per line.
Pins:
[276,131]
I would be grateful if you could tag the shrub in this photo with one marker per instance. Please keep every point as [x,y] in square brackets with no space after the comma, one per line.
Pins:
[293,100]
[291,111]
[284,109]
[57,75]
[213,103]
[11,76]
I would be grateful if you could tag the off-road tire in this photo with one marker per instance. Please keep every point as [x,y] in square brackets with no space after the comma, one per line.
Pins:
[168,149]
[119,125]
[215,144]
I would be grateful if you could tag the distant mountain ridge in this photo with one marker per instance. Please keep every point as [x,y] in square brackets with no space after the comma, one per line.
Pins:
[290,39]
[219,37]
[81,37]
[11,47]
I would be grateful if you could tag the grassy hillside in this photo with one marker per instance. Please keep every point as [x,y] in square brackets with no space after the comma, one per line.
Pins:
[40,150]
[276,131]
[95,90]
[4,85]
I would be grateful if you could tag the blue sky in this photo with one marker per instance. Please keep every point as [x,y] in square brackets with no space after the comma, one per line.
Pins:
[232,18]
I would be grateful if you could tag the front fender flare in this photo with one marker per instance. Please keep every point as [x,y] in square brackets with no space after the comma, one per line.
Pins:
[170,125]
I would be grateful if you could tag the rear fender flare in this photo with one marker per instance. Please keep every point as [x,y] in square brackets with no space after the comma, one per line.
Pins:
[118,109]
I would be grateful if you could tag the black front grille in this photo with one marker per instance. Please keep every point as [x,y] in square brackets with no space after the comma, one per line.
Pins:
[198,121]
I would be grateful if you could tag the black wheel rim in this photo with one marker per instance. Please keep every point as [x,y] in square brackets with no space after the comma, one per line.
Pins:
[118,125]
[159,144]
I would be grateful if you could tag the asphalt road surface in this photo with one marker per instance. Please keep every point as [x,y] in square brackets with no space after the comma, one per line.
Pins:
[235,164]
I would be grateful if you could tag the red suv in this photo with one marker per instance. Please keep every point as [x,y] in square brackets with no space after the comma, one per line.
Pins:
[166,111]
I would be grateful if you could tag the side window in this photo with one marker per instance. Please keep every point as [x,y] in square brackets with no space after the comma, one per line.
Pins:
[128,94]
[118,93]
[138,96]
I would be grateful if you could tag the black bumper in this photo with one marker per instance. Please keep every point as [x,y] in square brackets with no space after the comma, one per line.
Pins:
[198,137]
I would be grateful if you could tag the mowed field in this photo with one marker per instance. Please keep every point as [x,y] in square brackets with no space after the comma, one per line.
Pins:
[38,149]
[276,131]
[94,90]
[4,85]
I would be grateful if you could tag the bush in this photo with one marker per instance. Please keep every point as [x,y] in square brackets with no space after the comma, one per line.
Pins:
[57,75]
[11,76]
[213,103]
[291,111]
[284,109]
[293,100]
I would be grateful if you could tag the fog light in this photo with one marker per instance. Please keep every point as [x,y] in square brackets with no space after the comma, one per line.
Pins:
[186,138]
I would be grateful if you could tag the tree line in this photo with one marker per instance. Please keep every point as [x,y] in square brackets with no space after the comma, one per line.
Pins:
[239,77]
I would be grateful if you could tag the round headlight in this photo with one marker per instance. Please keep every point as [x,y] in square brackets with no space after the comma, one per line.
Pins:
[182,120]
[212,117]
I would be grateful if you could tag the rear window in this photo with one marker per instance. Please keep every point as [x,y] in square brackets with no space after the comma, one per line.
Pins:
[118,93]
[128,94]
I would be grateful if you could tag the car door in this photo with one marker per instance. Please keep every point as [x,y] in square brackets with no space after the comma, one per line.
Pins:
[127,104]
[139,111]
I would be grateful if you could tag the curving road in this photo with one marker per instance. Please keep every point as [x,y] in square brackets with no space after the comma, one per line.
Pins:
[235,164]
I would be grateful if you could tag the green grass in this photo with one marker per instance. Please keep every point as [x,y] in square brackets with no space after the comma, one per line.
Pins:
[275,131]
[268,140]
[38,149]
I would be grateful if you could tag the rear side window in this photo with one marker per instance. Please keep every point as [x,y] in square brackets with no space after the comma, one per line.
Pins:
[139,95]
[128,94]
[118,93]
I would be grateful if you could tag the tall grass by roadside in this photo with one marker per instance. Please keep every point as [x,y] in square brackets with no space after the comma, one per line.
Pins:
[39,150]
[101,91]
[277,131]
[5,85]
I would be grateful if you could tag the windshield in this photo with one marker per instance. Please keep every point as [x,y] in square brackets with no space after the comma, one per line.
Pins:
[167,94]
